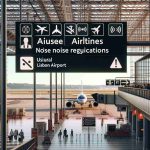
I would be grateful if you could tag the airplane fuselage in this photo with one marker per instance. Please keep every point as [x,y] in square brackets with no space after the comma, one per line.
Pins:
[81,99]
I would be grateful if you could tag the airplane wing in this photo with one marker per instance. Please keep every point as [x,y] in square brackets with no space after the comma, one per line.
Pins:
[75,100]
[71,100]
[90,100]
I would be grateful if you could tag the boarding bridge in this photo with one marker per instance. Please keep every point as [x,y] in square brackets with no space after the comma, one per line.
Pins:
[110,99]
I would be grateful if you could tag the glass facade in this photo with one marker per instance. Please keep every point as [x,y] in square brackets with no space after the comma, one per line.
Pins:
[138,52]
[142,70]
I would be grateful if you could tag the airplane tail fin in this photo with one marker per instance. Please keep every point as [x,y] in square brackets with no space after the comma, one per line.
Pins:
[81,87]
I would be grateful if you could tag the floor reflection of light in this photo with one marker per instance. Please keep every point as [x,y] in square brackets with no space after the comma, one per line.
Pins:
[25,124]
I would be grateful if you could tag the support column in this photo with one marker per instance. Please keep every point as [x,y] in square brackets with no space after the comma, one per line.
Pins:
[56,113]
[50,125]
[61,110]
[60,114]
[146,134]
[127,112]
[134,121]
[34,129]
[34,100]
[64,95]
[3,96]
[129,116]
[139,126]
[56,118]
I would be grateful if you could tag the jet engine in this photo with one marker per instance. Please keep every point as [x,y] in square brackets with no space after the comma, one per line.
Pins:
[68,104]
[95,104]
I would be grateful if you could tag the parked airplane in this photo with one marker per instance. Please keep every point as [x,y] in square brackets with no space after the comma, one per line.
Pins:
[41,29]
[96,30]
[56,30]
[81,99]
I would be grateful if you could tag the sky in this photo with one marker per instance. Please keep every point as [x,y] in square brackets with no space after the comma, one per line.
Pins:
[71,78]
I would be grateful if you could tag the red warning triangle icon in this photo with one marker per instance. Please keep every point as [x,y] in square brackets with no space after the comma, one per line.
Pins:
[116,64]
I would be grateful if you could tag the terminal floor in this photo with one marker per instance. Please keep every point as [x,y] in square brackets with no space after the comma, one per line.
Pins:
[95,140]
[80,139]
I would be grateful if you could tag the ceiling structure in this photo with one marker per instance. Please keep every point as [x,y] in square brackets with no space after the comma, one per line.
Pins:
[135,12]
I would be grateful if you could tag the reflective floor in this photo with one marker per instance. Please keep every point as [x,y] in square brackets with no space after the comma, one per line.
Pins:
[83,138]
[95,140]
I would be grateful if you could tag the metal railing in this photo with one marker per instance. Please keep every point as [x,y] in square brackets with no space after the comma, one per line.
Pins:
[144,93]
[29,145]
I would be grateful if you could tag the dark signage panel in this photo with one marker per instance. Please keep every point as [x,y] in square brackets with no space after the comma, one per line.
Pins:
[117,82]
[71,47]
[110,82]
[125,82]
[88,121]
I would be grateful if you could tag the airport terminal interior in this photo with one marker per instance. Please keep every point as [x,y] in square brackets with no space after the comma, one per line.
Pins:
[114,116]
